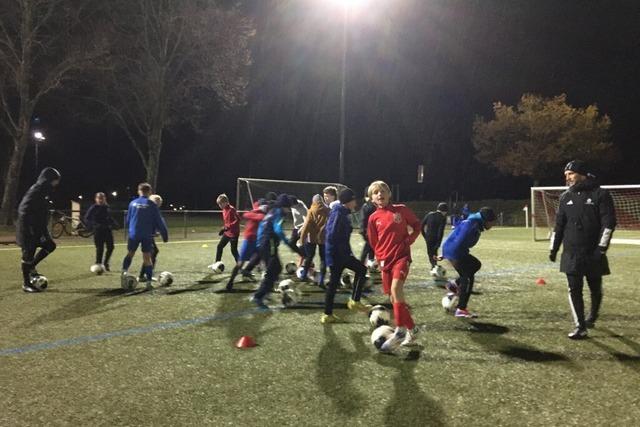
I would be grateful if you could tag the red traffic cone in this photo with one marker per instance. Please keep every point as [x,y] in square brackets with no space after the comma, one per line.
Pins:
[541,282]
[246,341]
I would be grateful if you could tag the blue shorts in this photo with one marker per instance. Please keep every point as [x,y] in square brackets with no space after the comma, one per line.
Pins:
[248,248]
[146,243]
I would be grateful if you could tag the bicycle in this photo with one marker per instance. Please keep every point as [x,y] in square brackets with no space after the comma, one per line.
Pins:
[63,224]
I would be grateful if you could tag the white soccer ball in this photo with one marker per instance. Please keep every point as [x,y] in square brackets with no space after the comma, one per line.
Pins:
[310,272]
[217,267]
[97,269]
[438,272]
[378,316]
[291,268]
[347,280]
[380,335]
[39,282]
[373,265]
[155,198]
[285,285]
[165,278]
[450,302]
[129,283]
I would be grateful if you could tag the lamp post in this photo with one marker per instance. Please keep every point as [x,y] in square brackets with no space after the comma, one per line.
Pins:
[343,89]
[38,137]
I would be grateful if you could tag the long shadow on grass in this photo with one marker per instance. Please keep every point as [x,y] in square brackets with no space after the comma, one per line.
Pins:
[410,405]
[489,336]
[336,370]
[99,301]
[630,360]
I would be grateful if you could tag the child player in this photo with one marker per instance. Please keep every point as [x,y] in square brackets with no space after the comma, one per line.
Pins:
[330,195]
[312,236]
[98,218]
[391,242]
[249,245]
[433,230]
[155,198]
[456,250]
[339,256]
[143,219]
[367,209]
[231,230]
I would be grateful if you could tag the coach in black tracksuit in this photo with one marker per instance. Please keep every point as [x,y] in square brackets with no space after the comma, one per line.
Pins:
[367,209]
[99,219]
[433,230]
[585,222]
[32,230]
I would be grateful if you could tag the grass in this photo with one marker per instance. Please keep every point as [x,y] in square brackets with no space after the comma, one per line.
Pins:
[123,359]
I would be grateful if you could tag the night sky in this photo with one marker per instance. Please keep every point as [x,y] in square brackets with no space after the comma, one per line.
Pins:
[418,73]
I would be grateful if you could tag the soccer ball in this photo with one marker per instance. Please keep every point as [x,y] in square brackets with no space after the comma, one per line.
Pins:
[97,269]
[347,279]
[373,265]
[450,302]
[438,272]
[155,198]
[378,316]
[289,293]
[310,272]
[285,285]
[129,283]
[380,335]
[217,267]
[290,268]
[39,282]
[165,278]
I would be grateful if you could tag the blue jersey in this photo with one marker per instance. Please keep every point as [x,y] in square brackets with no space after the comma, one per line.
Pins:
[144,219]
[270,231]
[464,236]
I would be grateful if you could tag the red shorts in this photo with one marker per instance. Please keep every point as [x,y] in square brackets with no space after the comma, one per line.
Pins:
[399,270]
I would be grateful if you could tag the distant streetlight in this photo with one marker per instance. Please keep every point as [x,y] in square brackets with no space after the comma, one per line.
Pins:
[80,197]
[38,137]
[114,193]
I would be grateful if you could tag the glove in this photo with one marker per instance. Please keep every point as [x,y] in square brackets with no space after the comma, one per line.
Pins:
[221,232]
[552,256]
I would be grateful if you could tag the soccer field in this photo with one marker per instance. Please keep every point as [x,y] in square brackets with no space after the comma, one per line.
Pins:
[85,353]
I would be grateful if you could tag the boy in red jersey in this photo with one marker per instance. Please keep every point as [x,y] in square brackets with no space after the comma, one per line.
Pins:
[231,230]
[389,236]
[249,247]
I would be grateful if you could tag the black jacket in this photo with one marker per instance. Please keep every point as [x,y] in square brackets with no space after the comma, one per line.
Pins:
[585,222]
[367,209]
[99,217]
[33,211]
[433,225]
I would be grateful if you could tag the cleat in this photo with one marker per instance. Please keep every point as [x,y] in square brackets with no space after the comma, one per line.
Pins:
[30,289]
[464,313]
[229,287]
[330,318]
[357,306]
[578,334]
[590,322]
[452,287]
[123,280]
[394,341]
[412,338]
[259,302]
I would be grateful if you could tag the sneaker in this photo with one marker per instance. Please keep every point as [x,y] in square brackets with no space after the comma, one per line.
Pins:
[123,279]
[259,302]
[329,318]
[357,306]
[578,334]
[412,338]
[30,289]
[452,287]
[464,313]
[394,341]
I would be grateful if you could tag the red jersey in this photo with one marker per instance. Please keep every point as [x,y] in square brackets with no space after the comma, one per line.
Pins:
[389,236]
[231,221]
[252,223]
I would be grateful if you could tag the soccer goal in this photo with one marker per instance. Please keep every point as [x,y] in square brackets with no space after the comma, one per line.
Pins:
[626,198]
[250,189]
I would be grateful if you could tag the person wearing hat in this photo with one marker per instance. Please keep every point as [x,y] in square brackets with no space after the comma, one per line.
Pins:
[433,231]
[585,222]
[456,250]
[31,228]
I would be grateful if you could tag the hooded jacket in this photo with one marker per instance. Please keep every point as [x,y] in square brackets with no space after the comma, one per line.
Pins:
[585,222]
[313,229]
[33,211]
[464,237]
[337,235]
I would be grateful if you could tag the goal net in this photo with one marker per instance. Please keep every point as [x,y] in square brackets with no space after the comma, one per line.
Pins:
[250,189]
[626,198]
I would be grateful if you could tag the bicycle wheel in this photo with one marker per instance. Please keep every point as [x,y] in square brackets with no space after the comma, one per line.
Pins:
[84,232]
[57,229]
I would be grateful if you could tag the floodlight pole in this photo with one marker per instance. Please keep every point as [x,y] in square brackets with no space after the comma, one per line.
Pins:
[343,91]
[37,145]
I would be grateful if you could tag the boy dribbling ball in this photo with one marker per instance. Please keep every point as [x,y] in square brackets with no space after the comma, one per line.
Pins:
[389,236]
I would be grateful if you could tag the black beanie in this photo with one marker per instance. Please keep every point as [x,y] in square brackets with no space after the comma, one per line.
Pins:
[283,201]
[487,214]
[578,166]
[346,196]
[442,207]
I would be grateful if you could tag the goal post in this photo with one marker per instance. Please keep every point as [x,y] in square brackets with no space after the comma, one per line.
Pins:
[249,190]
[626,199]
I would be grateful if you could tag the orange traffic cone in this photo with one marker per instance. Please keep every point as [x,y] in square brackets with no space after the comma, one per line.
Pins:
[541,282]
[246,341]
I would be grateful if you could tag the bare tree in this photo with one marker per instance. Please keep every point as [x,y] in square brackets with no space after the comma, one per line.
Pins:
[169,60]
[41,46]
